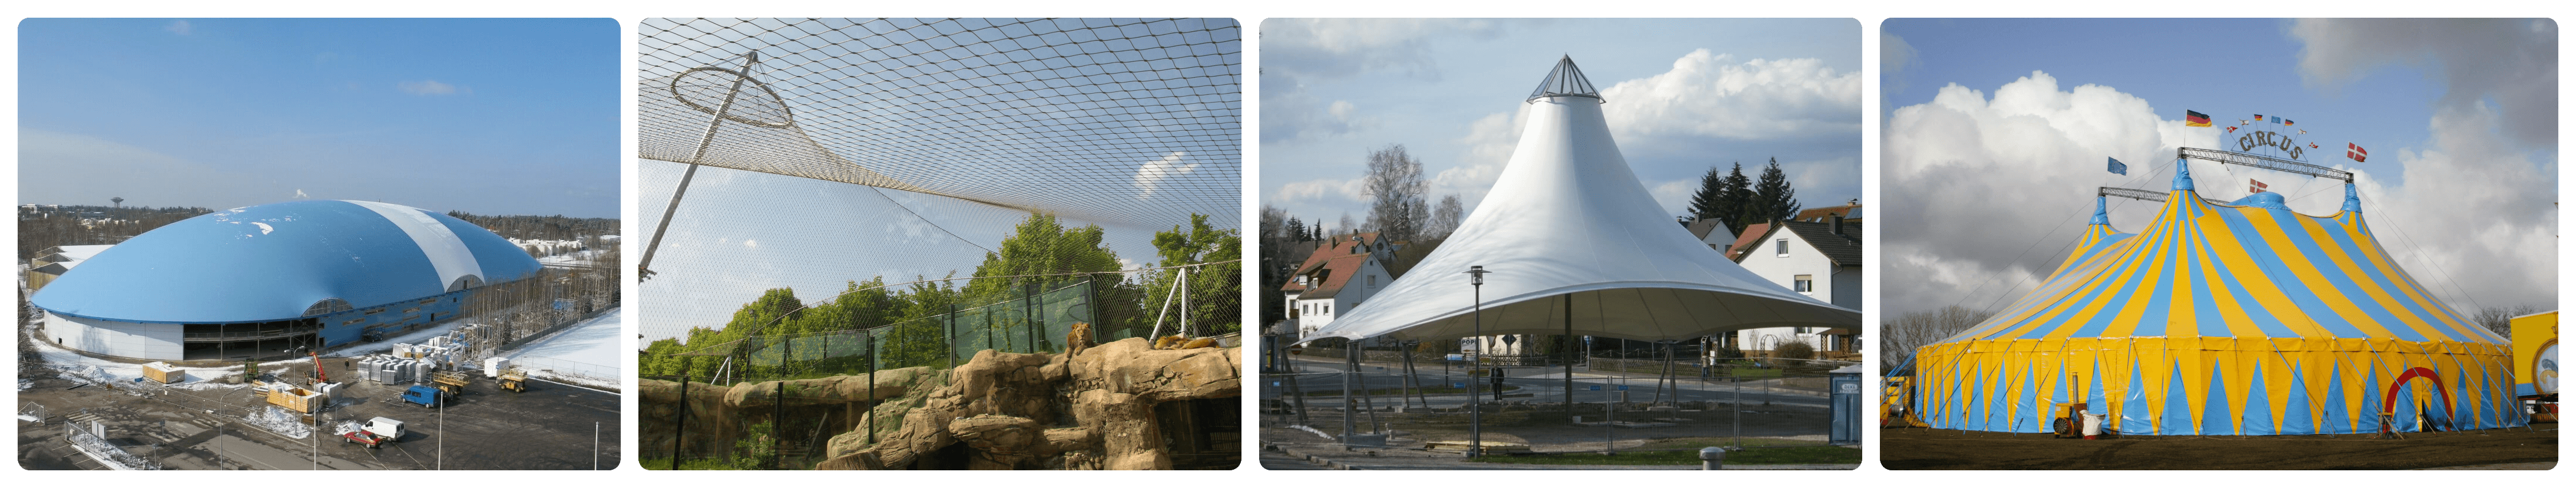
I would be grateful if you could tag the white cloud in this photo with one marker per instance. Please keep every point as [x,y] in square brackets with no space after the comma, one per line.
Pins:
[1977,181]
[426,87]
[1295,116]
[1712,95]
[1674,195]
[750,243]
[1341,47]
[1991,190]
[1150,176]
[179,27]
[1489,142]
[2512,61]
[1323,190]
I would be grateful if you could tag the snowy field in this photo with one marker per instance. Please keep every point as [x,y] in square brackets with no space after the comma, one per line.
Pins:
[574,258]
[593,343]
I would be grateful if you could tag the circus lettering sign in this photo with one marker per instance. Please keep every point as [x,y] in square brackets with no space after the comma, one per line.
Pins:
[2270,139]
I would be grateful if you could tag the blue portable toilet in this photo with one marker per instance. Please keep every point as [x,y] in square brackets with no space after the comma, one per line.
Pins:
[1845,384]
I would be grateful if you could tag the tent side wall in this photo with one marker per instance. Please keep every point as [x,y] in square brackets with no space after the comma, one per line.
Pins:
[2216,385]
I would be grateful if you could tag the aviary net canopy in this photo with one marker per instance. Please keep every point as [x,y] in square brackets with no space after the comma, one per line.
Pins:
[2237,318]
[1106,120]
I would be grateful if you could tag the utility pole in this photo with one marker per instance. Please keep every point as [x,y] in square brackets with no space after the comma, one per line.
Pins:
[1476,408]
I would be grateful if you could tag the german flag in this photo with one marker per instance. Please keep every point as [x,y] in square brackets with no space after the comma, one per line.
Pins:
[2194,119]
[2287,122]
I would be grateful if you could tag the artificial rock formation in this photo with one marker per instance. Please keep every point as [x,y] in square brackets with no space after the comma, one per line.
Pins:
[1000,407]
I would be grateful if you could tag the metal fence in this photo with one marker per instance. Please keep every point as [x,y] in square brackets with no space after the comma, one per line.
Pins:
[1025,318]
[1645,401]
[89,441]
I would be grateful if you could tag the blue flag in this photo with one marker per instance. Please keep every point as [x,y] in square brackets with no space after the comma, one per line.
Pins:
[2118,168]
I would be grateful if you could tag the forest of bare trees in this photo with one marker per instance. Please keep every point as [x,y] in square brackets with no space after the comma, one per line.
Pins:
[78,225]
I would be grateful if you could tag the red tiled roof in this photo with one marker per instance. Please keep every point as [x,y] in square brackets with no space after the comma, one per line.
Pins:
[1743,242]
[1334,247]
[1337,273]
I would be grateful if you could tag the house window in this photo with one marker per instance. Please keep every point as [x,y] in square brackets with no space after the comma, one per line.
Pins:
[1781,247]
[1372,281]
[1806,284]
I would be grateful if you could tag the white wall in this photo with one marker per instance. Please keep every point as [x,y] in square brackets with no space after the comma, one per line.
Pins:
[1838,285]
[1353,293]
[113,338]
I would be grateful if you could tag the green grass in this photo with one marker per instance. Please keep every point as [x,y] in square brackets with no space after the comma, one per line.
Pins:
[1773,455]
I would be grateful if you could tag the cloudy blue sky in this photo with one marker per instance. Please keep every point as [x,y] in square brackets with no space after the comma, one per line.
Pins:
[492,116]
[1681,95]
[1995,142]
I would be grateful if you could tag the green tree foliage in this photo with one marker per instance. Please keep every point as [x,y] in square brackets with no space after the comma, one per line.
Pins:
[914,322]
[1710,201]
[1772,197]
[1215,291]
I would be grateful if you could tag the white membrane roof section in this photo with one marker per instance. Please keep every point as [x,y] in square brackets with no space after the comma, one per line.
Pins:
[446,252]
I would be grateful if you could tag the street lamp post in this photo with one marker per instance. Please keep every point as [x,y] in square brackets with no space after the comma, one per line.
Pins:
[1475,408]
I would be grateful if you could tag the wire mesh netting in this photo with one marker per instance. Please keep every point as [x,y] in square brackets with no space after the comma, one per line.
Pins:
[935,189]
[954,132]
[1131,120]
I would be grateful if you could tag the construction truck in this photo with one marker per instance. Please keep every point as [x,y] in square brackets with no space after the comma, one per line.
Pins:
[513,379]
[426,396]
[376,433]
[453,382]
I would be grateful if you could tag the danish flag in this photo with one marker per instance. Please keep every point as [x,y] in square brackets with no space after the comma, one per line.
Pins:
[2355,152]
[2258,187]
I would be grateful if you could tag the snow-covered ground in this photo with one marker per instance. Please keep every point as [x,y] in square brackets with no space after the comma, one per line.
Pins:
[580,258]
[592,347]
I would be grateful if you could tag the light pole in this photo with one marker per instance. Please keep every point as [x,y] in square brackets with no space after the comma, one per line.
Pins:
[1475,408]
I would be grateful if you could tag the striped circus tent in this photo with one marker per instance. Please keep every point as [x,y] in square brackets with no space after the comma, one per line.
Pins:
[2233,318]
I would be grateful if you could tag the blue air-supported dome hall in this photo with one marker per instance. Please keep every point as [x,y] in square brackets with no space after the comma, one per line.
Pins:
[265,281]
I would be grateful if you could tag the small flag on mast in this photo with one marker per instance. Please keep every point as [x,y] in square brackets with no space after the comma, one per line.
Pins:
[2258,186]
[2231,129]
[2194,119]
[2287,122]
[2355,152]
[2117,168]
[2258,117]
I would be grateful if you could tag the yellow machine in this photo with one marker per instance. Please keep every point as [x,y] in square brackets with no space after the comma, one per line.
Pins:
[449,381]
[513,379]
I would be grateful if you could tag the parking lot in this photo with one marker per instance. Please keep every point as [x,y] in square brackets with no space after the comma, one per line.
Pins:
[551,426]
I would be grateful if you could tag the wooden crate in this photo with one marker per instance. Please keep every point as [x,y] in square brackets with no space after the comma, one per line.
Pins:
[164,373]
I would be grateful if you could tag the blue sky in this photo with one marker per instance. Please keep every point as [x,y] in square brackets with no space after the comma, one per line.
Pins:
[491,116]
[1996,131]
[1449,89]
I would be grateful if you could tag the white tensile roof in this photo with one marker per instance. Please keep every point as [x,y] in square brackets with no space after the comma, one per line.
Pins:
[1567,218]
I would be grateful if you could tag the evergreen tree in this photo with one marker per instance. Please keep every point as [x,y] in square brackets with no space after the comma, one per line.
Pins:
[1706,203]
[1773,198]
[1736,203]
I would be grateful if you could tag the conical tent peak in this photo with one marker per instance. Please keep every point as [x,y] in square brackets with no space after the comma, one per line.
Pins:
[1564,81]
